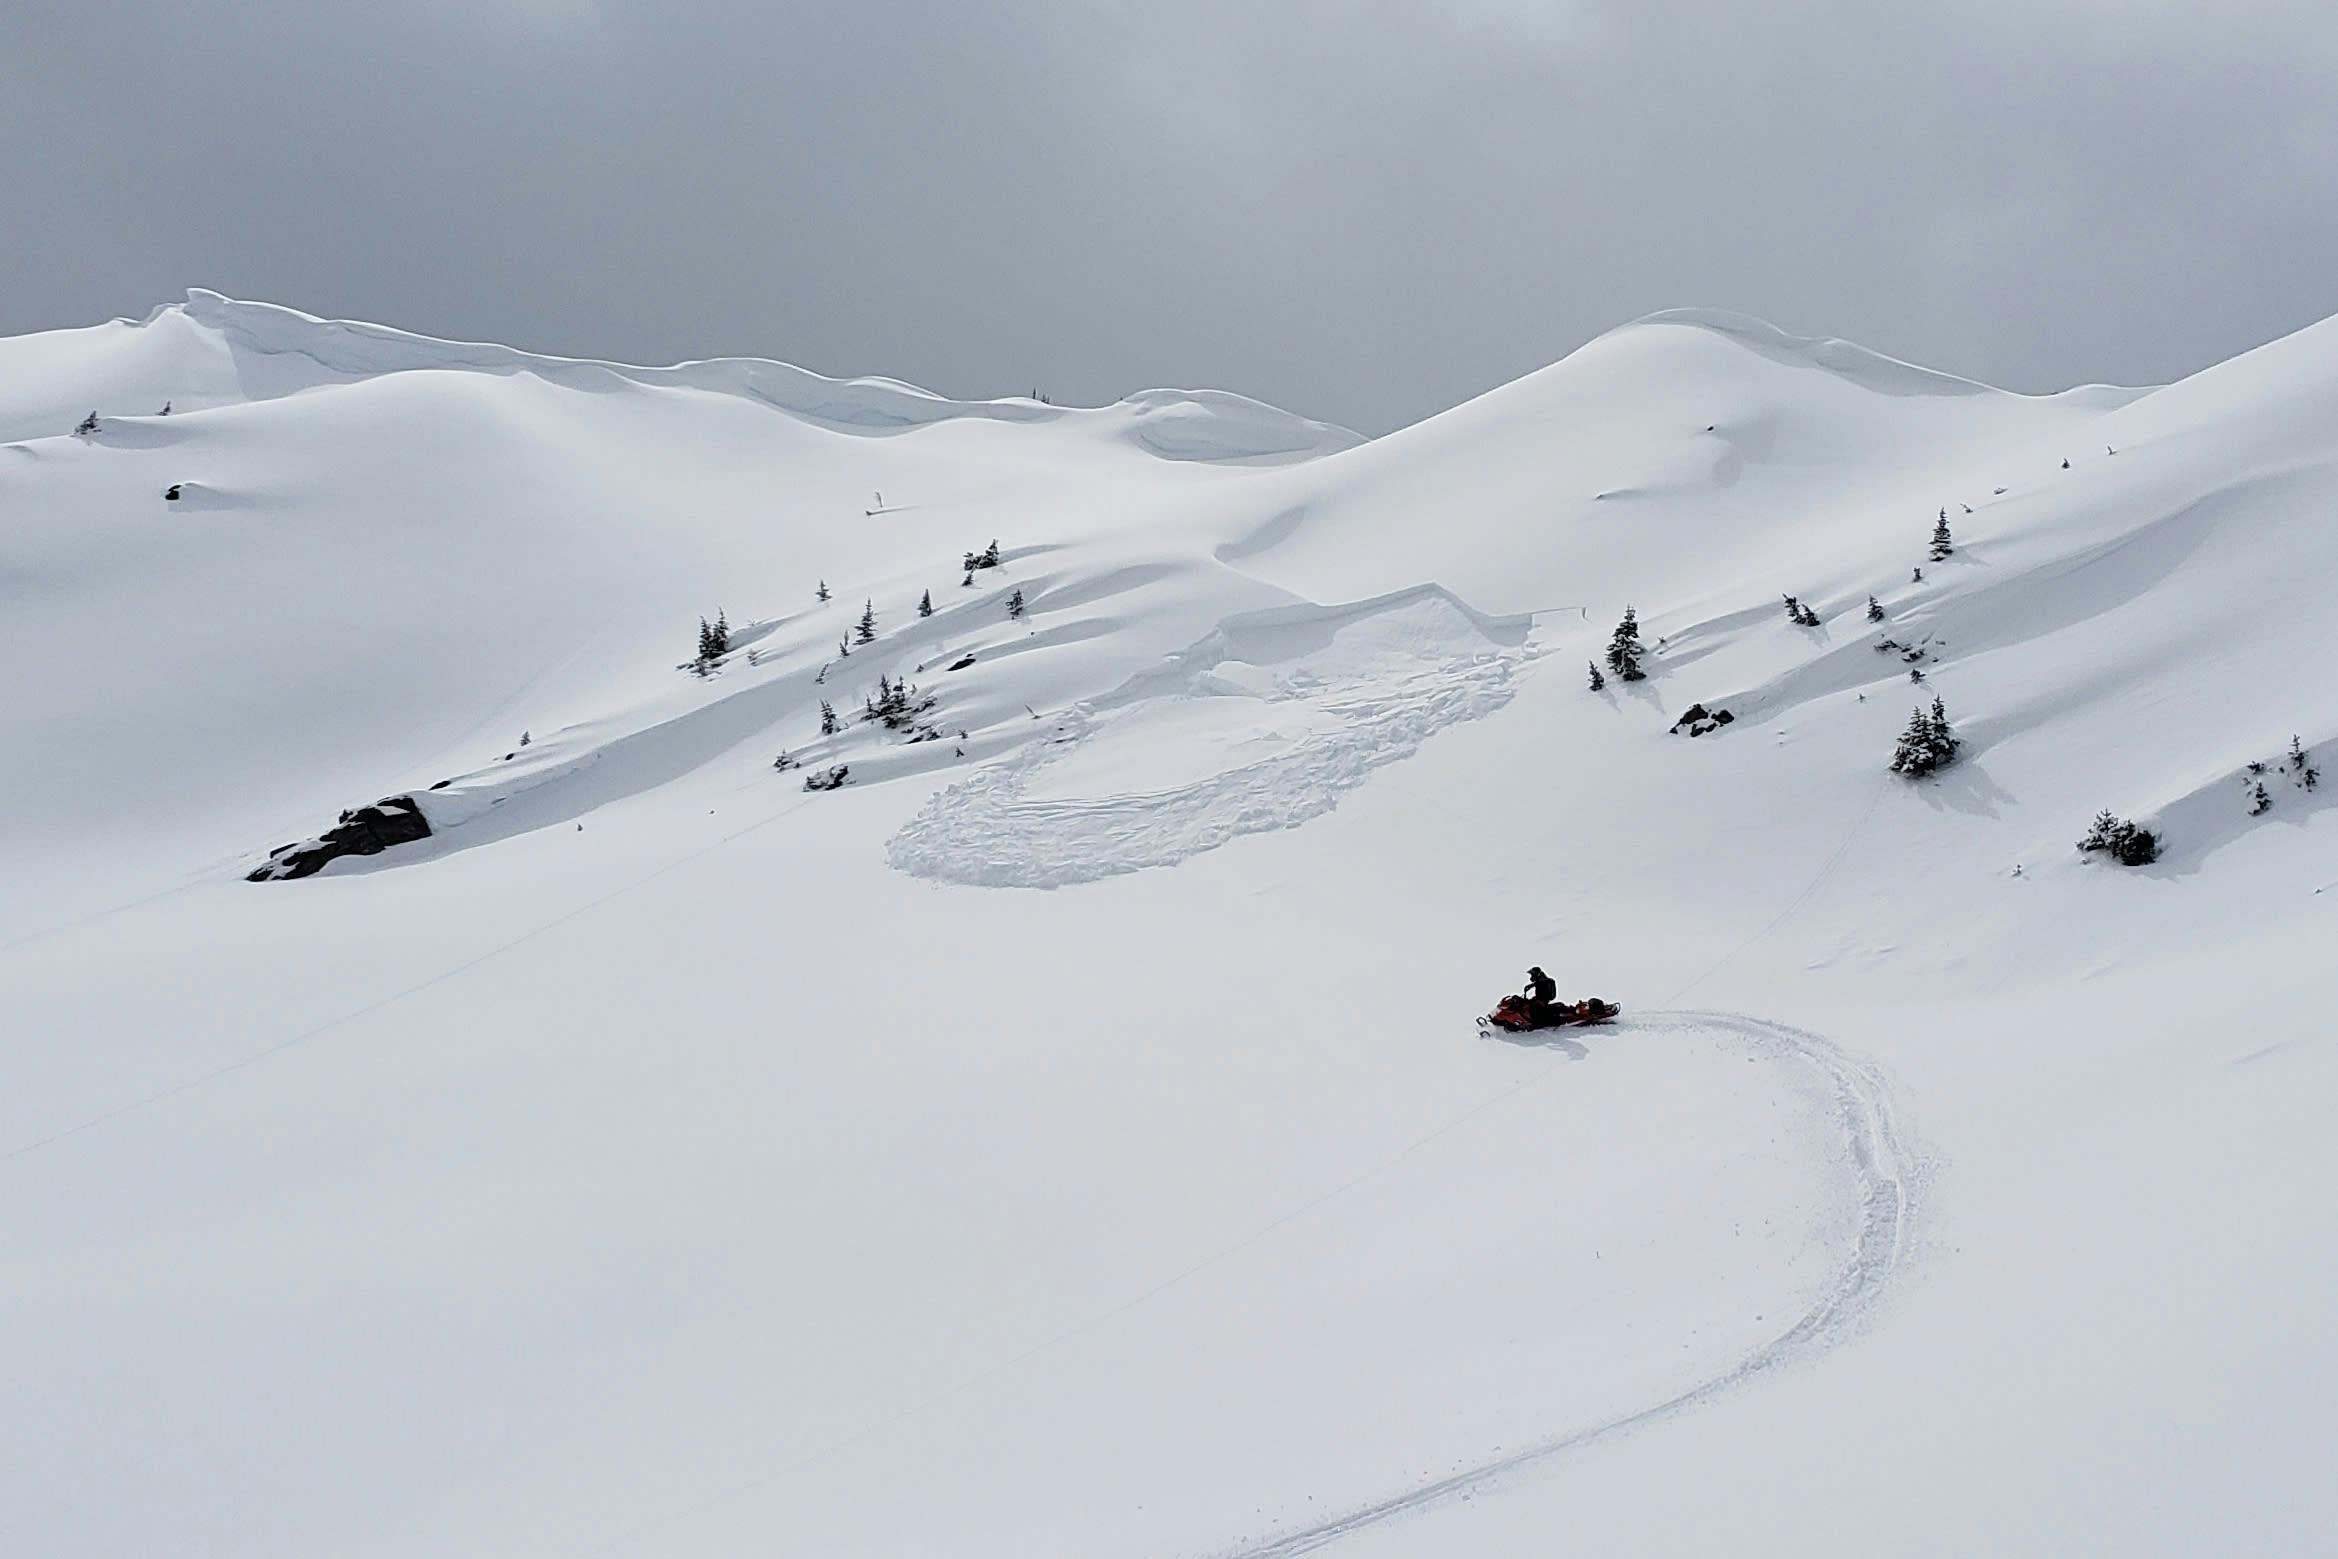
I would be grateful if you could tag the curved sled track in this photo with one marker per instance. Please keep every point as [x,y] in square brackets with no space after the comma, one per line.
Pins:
[1881,1166]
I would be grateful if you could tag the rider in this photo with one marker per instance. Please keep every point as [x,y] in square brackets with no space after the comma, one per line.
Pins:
[1542,993]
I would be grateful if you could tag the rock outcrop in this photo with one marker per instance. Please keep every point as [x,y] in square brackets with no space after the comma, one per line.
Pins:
[1699,720]
[365,831]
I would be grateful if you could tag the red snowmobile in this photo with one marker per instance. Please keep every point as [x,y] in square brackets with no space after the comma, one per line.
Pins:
[1517,1015]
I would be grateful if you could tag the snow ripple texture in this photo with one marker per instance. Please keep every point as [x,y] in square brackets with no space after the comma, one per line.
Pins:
[1882,1175]
[1327,695]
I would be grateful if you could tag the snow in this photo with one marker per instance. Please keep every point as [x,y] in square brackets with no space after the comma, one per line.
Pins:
[1260,726]
[662,1159]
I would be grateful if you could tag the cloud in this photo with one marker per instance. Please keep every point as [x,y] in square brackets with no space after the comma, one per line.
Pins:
[1366,211]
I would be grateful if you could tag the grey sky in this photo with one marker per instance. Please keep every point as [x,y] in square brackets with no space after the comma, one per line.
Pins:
[1364,211]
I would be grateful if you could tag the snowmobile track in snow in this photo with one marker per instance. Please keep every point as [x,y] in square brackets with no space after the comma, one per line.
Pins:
[1882,1168]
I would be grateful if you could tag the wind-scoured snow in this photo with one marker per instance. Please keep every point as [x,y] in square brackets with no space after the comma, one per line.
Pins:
[666,1158]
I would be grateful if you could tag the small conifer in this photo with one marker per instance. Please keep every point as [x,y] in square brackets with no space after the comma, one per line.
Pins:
[1912,753]
[1623,649]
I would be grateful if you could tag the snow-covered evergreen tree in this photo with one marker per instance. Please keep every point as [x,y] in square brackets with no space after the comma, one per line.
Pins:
[2123,841]
[828,721]
[714,642]
[1015,604]
[822,592]
[896,705]
[1945,741]
[2301,764]
[867,629]
[2100,832]
[1598,682]
[925,604]
[1941,545]
[86,425]
[1623,648]
[1928,743]
[1874,610]
[1913,754]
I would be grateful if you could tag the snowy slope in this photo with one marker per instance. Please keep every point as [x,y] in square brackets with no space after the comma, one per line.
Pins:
[663,1159]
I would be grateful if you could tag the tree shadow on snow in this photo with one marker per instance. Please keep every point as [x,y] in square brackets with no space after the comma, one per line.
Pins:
[1644,691]
[1965,787]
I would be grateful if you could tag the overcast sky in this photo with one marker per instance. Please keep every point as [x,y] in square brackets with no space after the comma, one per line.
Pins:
[1364,211]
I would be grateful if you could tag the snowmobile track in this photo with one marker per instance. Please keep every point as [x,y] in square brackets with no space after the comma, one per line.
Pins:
[1883,1170]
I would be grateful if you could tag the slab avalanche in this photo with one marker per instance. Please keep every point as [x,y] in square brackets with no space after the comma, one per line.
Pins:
[1261,725]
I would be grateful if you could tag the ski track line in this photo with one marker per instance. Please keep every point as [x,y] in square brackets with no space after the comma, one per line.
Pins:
[1881,1164]
[987,1374]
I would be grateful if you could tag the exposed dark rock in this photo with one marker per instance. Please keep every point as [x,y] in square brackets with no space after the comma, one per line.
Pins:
[962,663]
[1699,720]
[172,492]
[362,831]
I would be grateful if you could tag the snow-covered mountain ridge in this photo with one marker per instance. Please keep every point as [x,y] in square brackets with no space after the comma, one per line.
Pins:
[214,350]
[663,1155]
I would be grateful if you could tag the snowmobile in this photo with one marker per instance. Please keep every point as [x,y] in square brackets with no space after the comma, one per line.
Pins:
[1516,1015]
